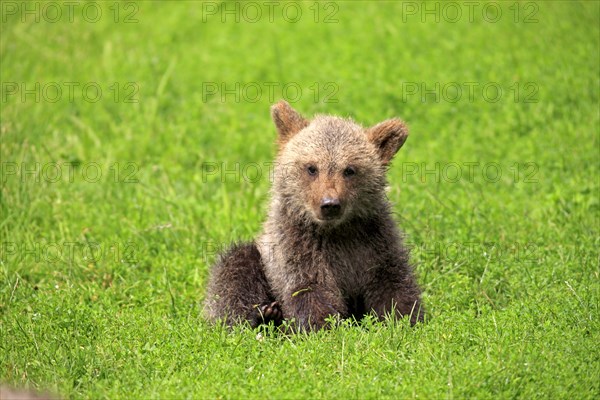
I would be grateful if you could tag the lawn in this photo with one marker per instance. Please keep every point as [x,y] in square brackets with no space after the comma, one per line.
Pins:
[136,142]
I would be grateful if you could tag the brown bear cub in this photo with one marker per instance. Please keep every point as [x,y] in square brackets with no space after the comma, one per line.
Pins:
[329,246]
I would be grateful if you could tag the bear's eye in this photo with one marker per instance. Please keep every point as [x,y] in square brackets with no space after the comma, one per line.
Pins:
[312,170]
[349,171]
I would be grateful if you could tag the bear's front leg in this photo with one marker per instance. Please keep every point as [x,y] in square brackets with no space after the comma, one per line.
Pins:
[239,291]
[393,290]
[310,305]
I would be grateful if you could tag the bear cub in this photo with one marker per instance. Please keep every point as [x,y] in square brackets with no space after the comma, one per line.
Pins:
[329,246]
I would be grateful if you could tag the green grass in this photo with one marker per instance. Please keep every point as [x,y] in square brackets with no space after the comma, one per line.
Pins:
[509,266]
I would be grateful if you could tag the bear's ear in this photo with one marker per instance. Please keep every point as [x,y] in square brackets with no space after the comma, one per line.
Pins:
[287,120]
[388,136]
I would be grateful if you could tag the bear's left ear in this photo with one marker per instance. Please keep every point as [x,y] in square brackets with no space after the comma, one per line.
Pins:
[287,120]
[388,136]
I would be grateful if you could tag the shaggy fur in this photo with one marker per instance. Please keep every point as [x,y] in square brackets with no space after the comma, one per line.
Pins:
[329,246]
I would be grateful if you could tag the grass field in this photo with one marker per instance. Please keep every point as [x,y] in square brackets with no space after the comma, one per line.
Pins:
[136,142]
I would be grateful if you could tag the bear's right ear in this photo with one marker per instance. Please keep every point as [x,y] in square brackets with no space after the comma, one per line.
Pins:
[287,120]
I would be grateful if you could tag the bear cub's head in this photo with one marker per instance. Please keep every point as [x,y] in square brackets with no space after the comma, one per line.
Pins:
[330,169]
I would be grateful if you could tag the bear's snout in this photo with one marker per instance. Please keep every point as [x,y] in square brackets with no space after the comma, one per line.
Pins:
[330,208]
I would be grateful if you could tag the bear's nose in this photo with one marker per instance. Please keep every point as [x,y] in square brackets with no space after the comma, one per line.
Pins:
[330,207]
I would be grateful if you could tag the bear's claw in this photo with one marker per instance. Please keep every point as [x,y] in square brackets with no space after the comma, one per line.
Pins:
[270,312]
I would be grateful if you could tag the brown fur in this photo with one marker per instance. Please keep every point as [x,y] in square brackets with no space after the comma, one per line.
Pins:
[7,393]
[287,121]
[329,246]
